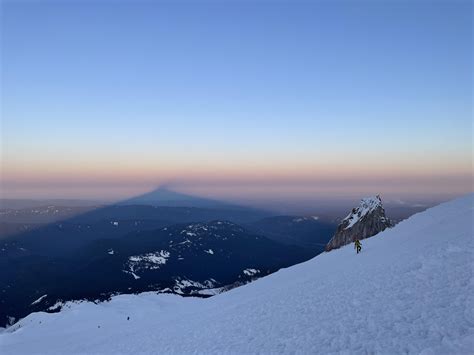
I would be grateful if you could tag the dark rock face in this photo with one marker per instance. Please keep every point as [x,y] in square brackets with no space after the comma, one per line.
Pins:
[363,222]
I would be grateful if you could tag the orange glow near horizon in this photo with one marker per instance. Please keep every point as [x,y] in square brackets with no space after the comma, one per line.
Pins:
[298,178]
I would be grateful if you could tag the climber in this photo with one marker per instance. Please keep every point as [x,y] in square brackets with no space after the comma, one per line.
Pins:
[357,245]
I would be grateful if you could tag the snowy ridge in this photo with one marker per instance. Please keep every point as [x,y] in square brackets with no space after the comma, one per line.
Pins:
[183,284]
[305,219]
[367,205]
[39,300]
[411,290]
[251,272]
[149,261]
[365,221]
[154,260]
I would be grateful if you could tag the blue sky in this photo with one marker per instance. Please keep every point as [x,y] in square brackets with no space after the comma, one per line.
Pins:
[130,94]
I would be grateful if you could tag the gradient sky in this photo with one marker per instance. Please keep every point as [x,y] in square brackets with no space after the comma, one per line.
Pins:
[237,99]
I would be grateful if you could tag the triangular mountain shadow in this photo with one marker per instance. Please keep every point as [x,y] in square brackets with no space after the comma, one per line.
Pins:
[164,197]
[87,255]
[156,209]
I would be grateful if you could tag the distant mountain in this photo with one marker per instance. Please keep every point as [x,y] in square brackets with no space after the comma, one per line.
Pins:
[308,232]
[64,238]
[11,203]
[42,214]
[172,214]
[41,230]
[187,259]
[364,221]
[163,196]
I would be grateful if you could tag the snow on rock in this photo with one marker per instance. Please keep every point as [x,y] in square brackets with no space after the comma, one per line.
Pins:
[410,290]
[364,221]
[135,276]
[57,306]
[181,285]
[251,272]
[367,205]
[39,300]
[149,261]
[210,291]
[305,219]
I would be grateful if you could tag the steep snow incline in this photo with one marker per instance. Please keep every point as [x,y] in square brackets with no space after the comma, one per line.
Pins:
[411,290]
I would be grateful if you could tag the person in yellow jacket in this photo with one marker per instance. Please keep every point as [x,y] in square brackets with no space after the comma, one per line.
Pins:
[357,245]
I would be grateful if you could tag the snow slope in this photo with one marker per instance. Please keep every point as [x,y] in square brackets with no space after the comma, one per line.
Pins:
[411,290]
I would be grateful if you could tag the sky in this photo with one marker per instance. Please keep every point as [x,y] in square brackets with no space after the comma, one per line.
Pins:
[236,99]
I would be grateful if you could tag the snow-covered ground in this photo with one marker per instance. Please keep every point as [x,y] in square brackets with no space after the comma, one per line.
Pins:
[411,290]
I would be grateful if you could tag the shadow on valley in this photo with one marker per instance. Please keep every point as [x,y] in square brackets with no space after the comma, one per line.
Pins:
[162,241]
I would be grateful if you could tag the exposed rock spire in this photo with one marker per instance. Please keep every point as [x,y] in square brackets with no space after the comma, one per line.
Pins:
[363,222]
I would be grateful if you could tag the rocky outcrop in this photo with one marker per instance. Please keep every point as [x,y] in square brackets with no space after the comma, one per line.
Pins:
[363,222]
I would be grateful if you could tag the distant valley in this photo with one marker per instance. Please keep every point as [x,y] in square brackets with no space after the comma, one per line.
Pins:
[52,254]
